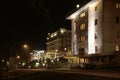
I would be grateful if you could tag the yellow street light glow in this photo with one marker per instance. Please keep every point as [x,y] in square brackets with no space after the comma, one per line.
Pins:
[52,61]
[55,34]
[3,60]
[47,38]
[45,61]
[62,31]
[77,5]
[37,64]
[56,50]
[58,59]
[48,33]
[51,36]
[23,64]
[18,57]
[25,46]
[65,49]
[43,64]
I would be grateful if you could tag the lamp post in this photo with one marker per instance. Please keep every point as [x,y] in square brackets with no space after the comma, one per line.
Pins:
[18,61]
[26,51]
[25,55]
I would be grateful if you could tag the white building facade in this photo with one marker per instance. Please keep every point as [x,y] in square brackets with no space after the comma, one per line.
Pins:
[96,28]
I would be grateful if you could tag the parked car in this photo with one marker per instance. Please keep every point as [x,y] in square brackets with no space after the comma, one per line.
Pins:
[88,66]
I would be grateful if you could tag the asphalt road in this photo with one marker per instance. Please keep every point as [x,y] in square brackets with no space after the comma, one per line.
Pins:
[59,75]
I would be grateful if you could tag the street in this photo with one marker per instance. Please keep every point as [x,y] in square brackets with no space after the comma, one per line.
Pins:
[64,75]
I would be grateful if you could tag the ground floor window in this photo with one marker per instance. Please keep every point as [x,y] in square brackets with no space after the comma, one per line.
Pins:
[117,48]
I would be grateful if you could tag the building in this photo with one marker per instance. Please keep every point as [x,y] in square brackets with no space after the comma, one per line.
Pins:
[59,43]
[96,32]
[37,55]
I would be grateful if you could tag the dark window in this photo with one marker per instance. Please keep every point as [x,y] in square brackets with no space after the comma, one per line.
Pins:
[95,21]
[96,48]
[103,60]
[95,8]
[95,35]
[111,58]
[117,19]
[118,34]
[97,58]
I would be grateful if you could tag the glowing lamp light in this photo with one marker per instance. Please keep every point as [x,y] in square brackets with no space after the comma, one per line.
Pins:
[65,49]
[43,64]
[47,38]
[77,5]
[25,46]
[51,36]
[45,61]
[56,50]
[18,57]
[52,61]
[37,64]
[62,31]
[23,64]
[3,60]
[58,59]
[55,34]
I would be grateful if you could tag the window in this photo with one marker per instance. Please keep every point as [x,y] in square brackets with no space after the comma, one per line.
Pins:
[118,5]
[116,48]
[95,8]
[95,35]
[118,34]
[103,60]
[95,21]
[96,48]
[82,14]
[117,19]
[82,38]
[82,26]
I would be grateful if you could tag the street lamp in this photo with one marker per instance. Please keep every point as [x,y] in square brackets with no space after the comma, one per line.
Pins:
[77,6]
[18,57]
[26,53]
[25,46]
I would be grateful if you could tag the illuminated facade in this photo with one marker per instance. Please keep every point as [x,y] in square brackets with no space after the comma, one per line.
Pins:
[59,43]
[37,55]
[96,28]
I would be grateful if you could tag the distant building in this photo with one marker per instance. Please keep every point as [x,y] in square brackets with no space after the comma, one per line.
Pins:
[59,43]
[37,55]
[96,32]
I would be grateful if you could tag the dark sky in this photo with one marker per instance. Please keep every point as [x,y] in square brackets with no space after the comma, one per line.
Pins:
[29,21]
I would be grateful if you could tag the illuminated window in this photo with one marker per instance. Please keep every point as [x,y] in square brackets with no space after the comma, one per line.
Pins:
[95,8]
[82,14]
[118,5]
[82,26]
[117,19]
[95,21]
[116,48]
[82,38]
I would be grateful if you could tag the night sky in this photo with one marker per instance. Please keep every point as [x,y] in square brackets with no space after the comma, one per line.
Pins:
[29,21]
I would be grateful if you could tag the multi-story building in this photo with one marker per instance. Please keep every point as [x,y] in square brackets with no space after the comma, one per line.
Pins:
[96,31]
[37,55]
[59,43]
